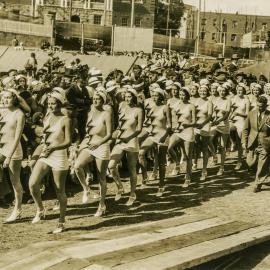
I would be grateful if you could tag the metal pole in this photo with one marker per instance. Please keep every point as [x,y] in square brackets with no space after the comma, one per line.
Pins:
[170,41]
[249,55]
[132,13]
[70,10]
[168,17]
[112,40]
[82,45]
[224,44]
[104,12]
[198,31]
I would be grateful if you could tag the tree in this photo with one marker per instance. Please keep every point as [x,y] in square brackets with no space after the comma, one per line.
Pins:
[176,10]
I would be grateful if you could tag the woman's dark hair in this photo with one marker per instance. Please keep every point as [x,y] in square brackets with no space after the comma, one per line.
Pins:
[185,91]
[134,98]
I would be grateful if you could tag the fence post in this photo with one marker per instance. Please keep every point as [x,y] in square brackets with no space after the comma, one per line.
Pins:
[170,41]
[112,40]
[82,45]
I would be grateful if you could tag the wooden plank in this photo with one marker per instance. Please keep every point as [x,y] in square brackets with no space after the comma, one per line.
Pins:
[38,261]
[112,259]
[87,250]
[201,253]
[31,250]
[70,264]
[96,267]
[144,227]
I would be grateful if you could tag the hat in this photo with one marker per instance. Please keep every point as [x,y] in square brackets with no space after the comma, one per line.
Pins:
[93,72]
[235,56]
[138,84]
[221,71]
[220,78]
[178,84]
[220,56]
[102,94]
[132,91]
[93,81]
[60,90]
[168,84]
[58,96]
[13,91]
[111,85]
[18,77]
[153,86]
[100,88]
[159,90]
[7,80]
[204,82]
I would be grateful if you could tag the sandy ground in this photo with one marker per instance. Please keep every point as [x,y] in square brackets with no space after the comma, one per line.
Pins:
[229,197]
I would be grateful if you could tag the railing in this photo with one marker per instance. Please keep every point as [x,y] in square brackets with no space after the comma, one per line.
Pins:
[25,28]
[97,5]
[76,4]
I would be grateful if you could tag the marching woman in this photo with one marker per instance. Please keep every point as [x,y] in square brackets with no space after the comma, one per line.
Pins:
[173,104]
[56,140]
[146,129]
[130,121]
[240,106]
[12,122]
[204,111]
[95,146]
[159,137]
[222,109]
[184,132]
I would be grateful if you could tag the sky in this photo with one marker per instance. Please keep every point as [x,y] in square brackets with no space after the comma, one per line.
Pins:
[256,7]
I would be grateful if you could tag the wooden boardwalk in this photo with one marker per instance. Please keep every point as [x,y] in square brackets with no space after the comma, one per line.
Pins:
[176,243]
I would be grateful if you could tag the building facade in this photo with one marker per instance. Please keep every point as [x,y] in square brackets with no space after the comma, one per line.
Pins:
[217,27]
[98,12]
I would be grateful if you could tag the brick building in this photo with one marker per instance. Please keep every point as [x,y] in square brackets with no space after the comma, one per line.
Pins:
[99,12]
[214,26]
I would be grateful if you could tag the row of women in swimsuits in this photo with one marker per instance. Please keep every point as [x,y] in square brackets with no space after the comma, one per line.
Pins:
[171,126]
[51,154]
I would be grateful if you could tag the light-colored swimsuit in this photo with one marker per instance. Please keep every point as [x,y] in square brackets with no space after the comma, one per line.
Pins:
[8,125]
[58,159]
[95,131]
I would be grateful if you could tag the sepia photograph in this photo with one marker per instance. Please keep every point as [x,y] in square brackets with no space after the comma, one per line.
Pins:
[134,135]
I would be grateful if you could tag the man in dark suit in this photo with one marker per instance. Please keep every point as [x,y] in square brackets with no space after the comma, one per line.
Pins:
[256,139]
[79,100]
[218,65]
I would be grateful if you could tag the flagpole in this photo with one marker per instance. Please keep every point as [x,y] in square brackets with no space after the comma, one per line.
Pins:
[198,30]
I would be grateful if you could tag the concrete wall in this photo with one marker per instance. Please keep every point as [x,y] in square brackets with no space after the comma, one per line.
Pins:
[68,29]
[162,41]
[28,41]
[133,39]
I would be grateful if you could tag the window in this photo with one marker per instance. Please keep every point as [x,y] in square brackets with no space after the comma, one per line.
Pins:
[97,19]
[213,36]
[204,21]
[234,24]
[137,22]
[233,37]
[215,22]
[124,21]
[264,26]
[224,26]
